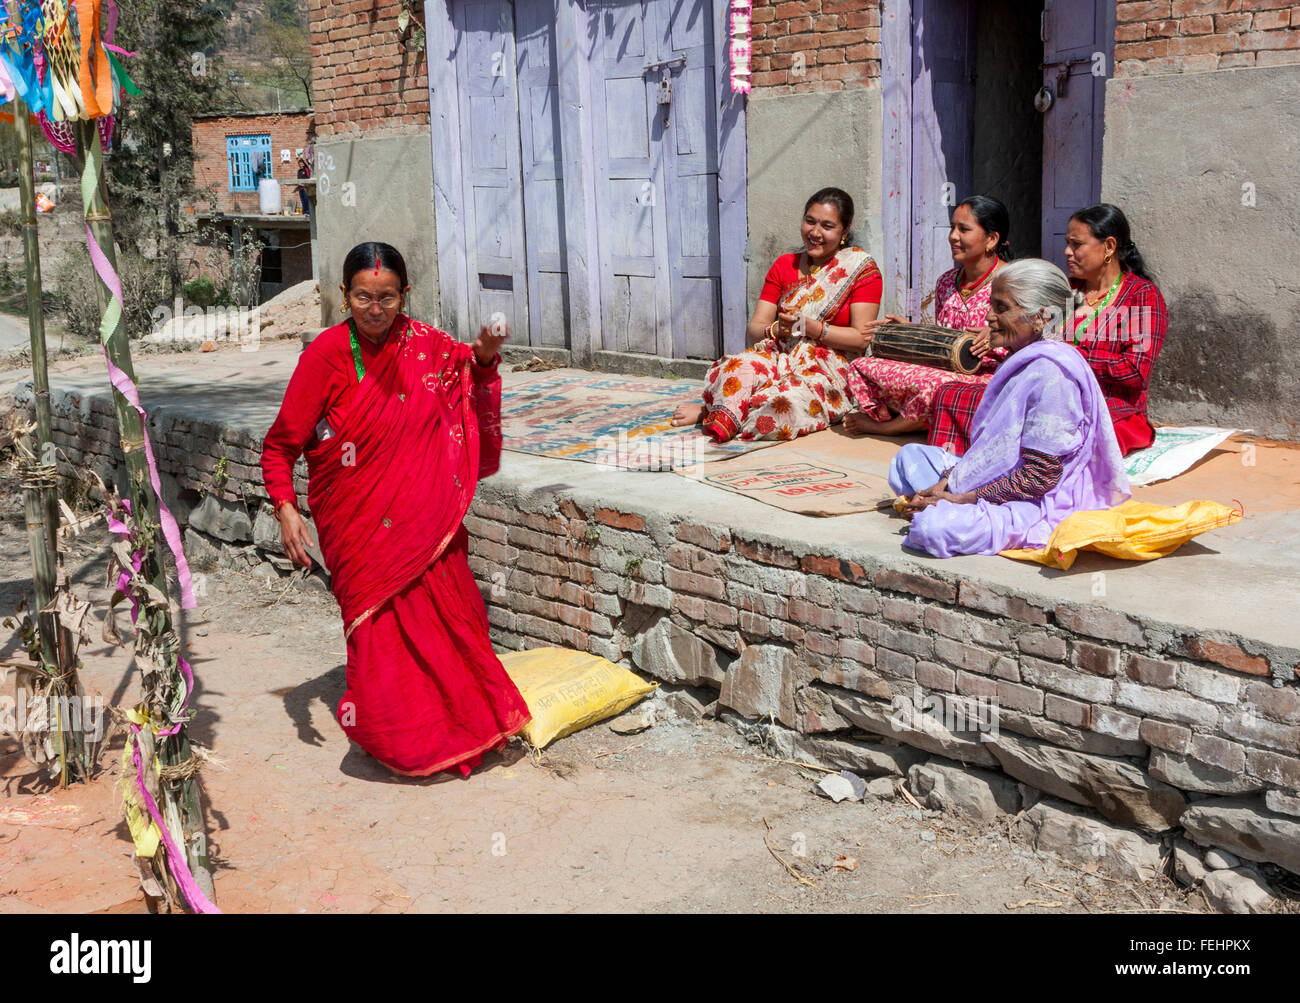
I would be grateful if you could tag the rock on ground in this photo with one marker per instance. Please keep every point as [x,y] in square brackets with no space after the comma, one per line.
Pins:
[1238,891]
[1076,835]
[1189,871]
[949,787]
[1117,789]
[674,654]
[1246,828]
[869,758]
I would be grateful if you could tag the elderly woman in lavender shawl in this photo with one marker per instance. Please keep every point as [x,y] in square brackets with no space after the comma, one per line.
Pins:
[1042,442]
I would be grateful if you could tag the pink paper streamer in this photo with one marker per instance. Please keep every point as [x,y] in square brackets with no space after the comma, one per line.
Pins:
[127,388]
[180,867]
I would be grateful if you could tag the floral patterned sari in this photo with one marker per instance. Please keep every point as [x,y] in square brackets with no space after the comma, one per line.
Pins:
[785,387]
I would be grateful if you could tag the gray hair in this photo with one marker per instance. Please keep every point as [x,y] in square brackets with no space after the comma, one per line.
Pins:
[1040,288]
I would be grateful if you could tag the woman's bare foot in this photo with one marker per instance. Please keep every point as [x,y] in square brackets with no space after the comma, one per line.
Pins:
[857,423]
[689,414]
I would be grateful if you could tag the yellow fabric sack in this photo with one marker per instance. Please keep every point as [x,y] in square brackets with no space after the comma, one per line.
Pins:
[567,691]
[1134,531]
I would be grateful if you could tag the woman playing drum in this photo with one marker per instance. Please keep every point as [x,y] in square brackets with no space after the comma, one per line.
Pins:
[895,398]
[1119,328]
[814,308]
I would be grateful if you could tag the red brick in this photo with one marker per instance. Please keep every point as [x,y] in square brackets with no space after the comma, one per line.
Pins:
[619,520]
[703,536]
[935,677]
[1232,22]
[921,585]
[979,597]
[1217,752]
[1270,19]
[1068,711]
[1190,8]
[1230,656]
[1202,45]
[833,567]
[1022,698]
[1149,11]
[1142,50]
[1277,57]
[1164,735]
[1135,32]
[1151,671]
[1095,658]
[765,553]
[1259,40]
[1203,25]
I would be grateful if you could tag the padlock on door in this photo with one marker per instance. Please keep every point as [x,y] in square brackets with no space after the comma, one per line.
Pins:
[665,94]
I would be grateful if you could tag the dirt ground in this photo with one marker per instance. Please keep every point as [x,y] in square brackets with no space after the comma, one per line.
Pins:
[685,817]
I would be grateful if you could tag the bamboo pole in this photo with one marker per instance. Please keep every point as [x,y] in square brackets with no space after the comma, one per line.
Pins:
[57,649]
[180,798]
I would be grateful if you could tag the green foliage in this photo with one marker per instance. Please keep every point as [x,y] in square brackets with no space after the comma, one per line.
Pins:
[203,292]
[144,289]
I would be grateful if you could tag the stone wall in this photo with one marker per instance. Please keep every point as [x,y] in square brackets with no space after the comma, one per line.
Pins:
[1192,36]
[1153,725]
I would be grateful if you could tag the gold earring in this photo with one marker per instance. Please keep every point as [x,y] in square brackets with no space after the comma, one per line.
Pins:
[343,307]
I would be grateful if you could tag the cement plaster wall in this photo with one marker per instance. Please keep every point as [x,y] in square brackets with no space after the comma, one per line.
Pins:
[1179,150]
[392,188]
[797,144]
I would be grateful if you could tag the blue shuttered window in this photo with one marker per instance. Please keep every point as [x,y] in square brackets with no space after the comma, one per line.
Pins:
[248,160]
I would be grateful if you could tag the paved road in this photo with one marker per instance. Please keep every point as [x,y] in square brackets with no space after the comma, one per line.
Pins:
[13,332]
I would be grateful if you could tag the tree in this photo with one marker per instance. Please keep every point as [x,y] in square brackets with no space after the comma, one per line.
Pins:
[151,173]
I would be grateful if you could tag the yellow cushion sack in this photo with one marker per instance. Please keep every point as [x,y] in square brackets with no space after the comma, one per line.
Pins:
[1134,531]
[567,691]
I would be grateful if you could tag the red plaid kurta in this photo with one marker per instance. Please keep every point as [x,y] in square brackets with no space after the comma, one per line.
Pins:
[1121,345]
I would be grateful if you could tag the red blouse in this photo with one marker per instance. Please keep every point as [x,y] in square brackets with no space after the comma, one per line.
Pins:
[785,272]
[322,387]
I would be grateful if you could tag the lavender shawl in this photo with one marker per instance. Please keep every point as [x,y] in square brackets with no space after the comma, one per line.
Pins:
[1043,397]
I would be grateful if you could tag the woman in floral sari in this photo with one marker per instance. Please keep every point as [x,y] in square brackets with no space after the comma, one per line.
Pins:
[398,422]
[813,311]
[895,398]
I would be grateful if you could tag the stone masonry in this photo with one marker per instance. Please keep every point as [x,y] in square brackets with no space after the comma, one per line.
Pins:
[1151,724]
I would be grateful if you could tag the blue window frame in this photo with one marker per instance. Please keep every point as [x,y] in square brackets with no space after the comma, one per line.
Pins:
[248,160]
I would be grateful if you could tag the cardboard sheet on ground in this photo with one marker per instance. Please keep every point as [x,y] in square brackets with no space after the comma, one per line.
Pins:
[824,474]
[622,422]
[1174,451]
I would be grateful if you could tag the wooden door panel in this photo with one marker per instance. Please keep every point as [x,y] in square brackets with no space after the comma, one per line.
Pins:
[943,103]
[543,186]
[489,134]
[1073,125]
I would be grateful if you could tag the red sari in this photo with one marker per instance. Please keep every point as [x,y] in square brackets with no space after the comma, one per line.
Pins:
[389,490]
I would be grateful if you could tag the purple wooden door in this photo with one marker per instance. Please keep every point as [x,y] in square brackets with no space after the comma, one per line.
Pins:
[656,175]
[1078,46]
[489,141]
[543,180]
[943,112]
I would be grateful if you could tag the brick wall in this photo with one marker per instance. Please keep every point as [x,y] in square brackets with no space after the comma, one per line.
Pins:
[822,646]
[287,132]
[364,80]
[815,45]
[1191,36]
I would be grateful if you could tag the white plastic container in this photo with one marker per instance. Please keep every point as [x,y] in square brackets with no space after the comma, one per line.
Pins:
[268,197]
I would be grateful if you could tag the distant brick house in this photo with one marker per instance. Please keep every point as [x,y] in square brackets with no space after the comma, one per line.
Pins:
[232,153]
[531,161]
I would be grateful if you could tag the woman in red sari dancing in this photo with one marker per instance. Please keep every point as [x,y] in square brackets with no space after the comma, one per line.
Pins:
[896,398]
[812,313]
[1119,327]
[398,422]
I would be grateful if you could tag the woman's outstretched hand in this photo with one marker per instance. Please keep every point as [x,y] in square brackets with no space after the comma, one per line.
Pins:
[490,339]
[295,536]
